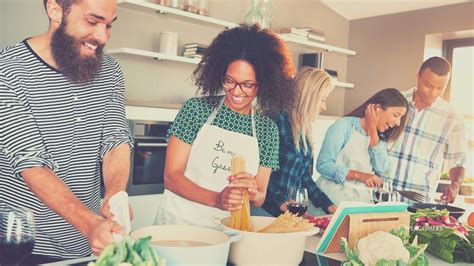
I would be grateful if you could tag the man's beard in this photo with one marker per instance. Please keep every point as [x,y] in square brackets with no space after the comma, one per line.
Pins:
[66,52]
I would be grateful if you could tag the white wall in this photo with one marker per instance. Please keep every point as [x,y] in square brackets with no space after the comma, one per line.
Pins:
[20,19]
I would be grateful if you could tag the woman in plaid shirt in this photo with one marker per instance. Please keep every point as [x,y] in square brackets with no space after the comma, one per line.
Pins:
[296,155]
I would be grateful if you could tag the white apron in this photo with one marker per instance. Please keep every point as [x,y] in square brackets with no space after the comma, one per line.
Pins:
[209,166]
[355,156]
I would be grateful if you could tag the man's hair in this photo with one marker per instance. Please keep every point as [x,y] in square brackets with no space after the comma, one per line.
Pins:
[438,65]
[64,4]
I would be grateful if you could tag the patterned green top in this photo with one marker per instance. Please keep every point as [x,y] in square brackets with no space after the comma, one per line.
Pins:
[195,112]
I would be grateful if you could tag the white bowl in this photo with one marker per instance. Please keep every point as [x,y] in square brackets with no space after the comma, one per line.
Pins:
[214,253]
[267,248]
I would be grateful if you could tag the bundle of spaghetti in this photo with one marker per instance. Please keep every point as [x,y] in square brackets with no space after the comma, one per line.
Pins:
[286,223]
[240,219]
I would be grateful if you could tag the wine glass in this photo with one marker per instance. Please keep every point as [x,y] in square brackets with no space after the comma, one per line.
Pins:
[17,234]
[297,200]
[386,193]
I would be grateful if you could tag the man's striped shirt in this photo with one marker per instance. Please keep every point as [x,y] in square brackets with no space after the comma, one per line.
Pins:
[434,139]
[48,121]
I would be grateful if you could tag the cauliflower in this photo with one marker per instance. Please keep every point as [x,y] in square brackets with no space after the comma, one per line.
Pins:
[382,245]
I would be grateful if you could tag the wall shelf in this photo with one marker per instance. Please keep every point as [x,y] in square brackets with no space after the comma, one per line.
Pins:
[154,55]
[194,61]
[142,6]
[343,84]
[319,45]
[149,7]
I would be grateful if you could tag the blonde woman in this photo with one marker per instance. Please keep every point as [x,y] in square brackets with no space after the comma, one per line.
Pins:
[295,129]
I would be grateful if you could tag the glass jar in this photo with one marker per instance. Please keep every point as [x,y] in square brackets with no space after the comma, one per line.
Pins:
[163,2]
[203,7]
[254,16]
[191,6]
[267,10]
[176,4]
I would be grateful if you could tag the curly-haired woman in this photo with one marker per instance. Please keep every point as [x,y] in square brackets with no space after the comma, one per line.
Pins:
[252,67]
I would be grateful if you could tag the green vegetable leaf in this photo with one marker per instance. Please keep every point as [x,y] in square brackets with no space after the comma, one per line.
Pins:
[401,232]
[417,254]
[384,262]
[351,256]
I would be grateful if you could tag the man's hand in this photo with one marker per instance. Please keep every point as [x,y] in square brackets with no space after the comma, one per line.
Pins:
[456,174]
[450,193]
[100,232]
[105,210]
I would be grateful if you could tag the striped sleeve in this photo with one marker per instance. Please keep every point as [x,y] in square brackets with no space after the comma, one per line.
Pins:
[116,130]
[18,123]
[455,153]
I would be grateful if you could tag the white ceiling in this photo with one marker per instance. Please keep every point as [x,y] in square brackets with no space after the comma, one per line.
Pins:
[355,9]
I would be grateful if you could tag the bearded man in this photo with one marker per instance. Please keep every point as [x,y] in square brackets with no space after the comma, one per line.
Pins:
[63,128]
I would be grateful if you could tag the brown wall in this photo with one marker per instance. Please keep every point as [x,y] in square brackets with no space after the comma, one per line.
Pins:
[390,48]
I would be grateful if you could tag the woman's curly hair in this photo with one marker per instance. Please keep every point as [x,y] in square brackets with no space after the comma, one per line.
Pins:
[264,50]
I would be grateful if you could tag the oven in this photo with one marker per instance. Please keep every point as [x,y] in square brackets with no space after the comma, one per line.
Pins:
[148,157]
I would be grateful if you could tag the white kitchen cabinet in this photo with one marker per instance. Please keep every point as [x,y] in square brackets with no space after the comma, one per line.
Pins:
[144,6]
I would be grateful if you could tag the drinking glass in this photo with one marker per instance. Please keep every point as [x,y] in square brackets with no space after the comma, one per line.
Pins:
[17,234]
[297,200]
[386,193]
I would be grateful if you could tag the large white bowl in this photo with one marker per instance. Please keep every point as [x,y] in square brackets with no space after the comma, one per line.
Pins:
[216,253]
[267,248]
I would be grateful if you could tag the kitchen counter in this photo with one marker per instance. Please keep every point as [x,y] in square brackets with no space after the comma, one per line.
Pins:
[309,258]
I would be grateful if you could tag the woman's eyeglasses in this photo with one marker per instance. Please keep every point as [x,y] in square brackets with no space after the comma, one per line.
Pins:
[247,87]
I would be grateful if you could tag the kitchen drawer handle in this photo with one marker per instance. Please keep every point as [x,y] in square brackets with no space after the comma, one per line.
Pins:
[152,144]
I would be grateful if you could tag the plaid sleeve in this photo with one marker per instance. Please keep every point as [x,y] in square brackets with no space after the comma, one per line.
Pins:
[283,178]
[456,145]
[274,198]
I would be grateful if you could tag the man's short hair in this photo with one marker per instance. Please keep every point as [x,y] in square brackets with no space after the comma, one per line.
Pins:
[438,65]
[64,4]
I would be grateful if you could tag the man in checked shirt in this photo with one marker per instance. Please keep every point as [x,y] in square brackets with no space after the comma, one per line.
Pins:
[434,138]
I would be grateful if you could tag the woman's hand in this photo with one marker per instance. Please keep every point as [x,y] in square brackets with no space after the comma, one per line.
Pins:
[332,209]
[371,180]
[245,181]
[230,199]
[371,119]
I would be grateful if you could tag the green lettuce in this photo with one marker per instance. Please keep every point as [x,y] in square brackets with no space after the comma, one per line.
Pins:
[135,252]
[444,242]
